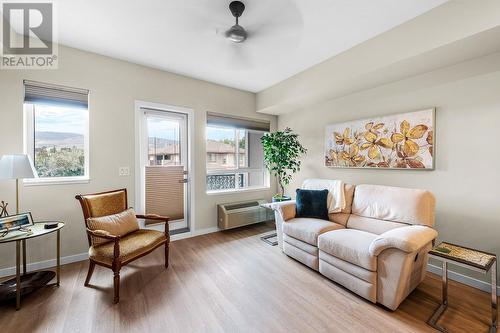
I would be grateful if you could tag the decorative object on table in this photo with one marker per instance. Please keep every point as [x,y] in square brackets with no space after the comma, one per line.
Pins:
[282,151]
[17,166]
[50,225]
[115,251]
[3,209]
[24,282]
[19,222]
[402,141]
[475,260]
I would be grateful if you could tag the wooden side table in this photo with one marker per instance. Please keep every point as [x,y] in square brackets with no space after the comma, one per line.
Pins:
[28,282]
[475,260]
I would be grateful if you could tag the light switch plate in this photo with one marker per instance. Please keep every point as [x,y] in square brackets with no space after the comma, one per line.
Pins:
[124,171]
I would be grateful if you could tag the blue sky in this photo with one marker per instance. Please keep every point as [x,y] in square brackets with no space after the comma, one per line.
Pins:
[163,128]
[218,133]
[50,118]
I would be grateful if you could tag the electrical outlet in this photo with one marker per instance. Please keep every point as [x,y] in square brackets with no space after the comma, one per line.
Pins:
[124,171]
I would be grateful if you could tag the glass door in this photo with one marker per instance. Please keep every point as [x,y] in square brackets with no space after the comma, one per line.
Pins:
[164,166]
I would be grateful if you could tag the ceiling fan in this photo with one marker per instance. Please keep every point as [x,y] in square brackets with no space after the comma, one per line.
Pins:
[270,29]
[236,33]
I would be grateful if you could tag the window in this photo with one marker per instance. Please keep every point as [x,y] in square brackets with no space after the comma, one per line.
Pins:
[163,141]
[235,158]
[56,132]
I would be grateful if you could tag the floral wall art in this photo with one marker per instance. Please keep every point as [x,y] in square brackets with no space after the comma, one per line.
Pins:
[402,141]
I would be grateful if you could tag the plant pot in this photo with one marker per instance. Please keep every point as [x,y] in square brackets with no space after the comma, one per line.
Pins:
[283,198]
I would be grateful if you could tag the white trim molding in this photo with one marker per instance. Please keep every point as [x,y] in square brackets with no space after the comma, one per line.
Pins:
[45,264]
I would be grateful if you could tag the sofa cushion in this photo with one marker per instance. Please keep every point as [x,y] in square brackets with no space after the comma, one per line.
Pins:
[343,216]
[312,203]
[350,245]
[306,247]
[374,226]
[395,204]
[307,229]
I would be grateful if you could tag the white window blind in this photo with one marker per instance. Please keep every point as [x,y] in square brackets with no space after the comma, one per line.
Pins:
[165,191]
[46,93]
[216,119]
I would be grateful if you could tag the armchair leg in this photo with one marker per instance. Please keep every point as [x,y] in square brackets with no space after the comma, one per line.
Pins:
[90,272]
[166,253]
[116,282]
[167,243]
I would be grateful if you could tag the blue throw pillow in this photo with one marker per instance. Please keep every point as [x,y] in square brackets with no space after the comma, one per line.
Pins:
[312,203]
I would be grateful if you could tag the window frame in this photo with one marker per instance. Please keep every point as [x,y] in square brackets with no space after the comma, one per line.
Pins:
[29,149]
[237,170]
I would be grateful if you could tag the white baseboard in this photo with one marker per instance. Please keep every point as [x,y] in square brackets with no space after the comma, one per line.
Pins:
[84,256]
[194,233]
[45,264]
[467,280]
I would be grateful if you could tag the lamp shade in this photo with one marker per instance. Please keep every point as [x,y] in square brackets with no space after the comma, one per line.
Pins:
[17,166]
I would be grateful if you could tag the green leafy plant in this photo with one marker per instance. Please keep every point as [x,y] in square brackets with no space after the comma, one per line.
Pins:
[282,151]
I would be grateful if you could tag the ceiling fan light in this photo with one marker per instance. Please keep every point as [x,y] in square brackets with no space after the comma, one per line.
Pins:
[236,34]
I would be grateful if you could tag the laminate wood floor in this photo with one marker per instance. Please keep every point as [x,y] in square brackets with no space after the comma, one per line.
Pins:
[230,282]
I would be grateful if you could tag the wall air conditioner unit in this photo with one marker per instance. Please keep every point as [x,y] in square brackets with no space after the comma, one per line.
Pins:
[237,214]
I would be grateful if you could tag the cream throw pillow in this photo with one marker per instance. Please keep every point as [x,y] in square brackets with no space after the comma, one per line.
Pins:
[119,224]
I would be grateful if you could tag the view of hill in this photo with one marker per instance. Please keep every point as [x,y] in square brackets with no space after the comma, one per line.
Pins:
[58,139]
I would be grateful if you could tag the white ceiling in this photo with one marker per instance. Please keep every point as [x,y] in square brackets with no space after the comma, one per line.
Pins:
[184,36]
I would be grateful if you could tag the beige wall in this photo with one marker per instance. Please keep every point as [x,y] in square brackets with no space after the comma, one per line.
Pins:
[466,179]
[114,86]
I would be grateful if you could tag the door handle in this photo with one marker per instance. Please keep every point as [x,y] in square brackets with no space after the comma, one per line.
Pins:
[183,181]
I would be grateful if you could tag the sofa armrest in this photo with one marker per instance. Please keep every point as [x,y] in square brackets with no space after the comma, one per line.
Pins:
[286,209]
[407,239]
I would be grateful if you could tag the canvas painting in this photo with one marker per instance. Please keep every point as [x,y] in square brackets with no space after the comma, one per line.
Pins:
[402,141]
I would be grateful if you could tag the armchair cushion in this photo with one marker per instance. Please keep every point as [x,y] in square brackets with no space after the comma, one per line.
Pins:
[119,224]
[408,239]
[132,246]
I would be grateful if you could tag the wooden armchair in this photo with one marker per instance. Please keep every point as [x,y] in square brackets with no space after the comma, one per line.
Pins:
[113,251]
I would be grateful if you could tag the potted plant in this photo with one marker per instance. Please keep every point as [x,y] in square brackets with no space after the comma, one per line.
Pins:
[282,150]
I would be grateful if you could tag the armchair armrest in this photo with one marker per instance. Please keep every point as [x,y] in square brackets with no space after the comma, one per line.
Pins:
[106,235]
[102,234]
[408,239]
[156,217]
[286,209]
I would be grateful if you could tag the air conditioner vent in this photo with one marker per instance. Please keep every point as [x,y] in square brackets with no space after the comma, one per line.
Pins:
[242,205]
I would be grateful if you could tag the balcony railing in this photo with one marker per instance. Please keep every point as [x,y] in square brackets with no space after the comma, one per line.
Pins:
[217,182]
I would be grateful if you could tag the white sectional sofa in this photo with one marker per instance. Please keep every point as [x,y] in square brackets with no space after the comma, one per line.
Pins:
[376,247]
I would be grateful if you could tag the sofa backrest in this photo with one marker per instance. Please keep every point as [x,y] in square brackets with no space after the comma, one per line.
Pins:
[394,204]
[320,184]
[343,216]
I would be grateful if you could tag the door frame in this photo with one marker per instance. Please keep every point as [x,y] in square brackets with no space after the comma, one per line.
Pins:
[139,173]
